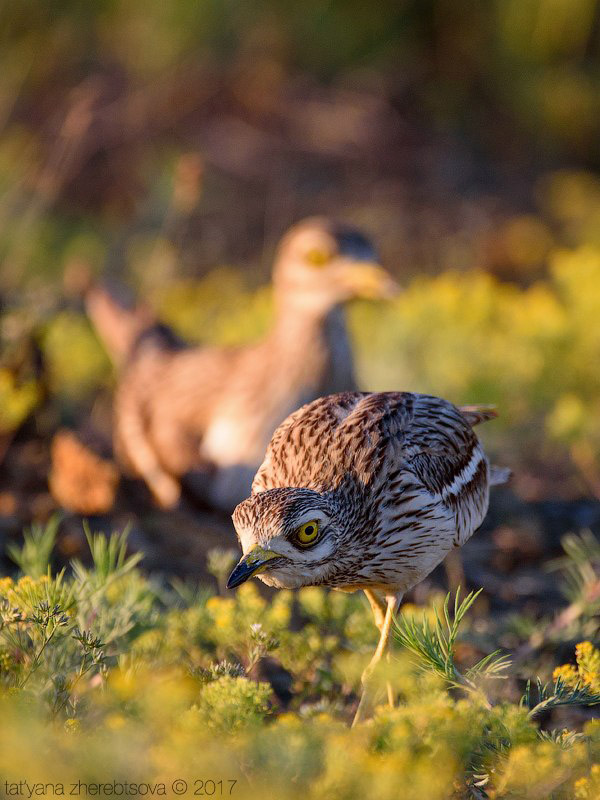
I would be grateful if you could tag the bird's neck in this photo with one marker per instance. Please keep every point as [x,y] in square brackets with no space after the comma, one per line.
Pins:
[302,323]
[312,349]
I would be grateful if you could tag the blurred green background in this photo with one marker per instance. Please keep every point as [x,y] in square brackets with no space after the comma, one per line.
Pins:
[170,145]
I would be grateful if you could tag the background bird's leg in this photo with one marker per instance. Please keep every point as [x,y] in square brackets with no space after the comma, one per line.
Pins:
[385,629]
[137,451]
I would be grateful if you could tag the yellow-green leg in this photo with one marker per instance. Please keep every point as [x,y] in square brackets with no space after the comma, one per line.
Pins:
[379,606]
[383,620]
[455,573]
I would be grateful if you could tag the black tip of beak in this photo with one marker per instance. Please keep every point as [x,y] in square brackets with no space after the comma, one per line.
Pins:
[251,564]
[240,574]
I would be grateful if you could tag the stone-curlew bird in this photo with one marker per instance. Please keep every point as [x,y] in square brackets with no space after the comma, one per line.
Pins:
[365,491]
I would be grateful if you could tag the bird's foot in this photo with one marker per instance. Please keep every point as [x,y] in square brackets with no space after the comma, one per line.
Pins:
[166,490]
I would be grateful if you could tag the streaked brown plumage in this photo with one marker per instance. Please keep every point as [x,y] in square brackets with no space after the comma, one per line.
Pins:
[208,413]
[387,482]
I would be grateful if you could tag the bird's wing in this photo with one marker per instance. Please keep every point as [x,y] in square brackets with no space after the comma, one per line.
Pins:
[448,459]
[163,405]
[440,446]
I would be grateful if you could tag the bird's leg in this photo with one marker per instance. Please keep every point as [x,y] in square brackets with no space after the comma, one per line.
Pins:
[378,606]
[385,629]
[455,573]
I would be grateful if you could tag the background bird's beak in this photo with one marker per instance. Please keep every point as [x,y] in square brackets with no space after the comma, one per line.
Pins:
[253,563]
[368,280]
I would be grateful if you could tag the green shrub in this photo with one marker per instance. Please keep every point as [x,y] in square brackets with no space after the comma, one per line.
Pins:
[107,676]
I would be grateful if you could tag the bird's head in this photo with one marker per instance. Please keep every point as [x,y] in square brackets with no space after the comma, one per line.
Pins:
[321,263]
[289,538]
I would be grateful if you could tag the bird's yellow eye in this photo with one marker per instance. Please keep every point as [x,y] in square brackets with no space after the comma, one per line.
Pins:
[307,534]
[317,257]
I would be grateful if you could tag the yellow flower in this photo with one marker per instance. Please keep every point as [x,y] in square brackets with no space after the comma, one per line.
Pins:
[289,720]
[115,722]
[587,671]
[72,726]
[567,673]
[581,789]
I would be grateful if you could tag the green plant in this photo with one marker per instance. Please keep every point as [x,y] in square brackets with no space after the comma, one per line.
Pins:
[219,562]
[108,671]
[580,571]
[33,558]
[556,694]
[230,704]
[434,644]
[109,556]
[17,400]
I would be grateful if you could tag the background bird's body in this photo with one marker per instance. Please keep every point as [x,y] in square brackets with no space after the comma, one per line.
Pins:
[180,410]
[203,416]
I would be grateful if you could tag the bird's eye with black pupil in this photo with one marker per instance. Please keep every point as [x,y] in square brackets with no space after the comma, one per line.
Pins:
[307,534]
[317,257]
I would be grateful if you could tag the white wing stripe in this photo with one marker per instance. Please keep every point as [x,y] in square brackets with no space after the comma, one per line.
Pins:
[465,475]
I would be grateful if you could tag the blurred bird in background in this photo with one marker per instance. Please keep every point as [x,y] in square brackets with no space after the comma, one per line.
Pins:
[202,417]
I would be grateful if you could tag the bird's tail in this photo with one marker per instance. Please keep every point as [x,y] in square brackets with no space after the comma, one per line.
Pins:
[479,413]
[499,475]
[474,415]
[118,320]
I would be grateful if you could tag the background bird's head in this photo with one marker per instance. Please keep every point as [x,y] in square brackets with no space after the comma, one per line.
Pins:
[289,538]
[321,263]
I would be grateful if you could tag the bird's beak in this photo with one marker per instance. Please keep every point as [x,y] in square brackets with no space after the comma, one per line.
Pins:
[253,563]
[368,280]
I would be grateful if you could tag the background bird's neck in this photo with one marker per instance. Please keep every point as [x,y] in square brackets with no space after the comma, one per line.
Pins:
[300,322]
[302,303]
[314,345]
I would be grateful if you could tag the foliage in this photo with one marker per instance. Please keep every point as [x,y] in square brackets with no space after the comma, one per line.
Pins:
[33,558]
[580,568]
[230,704]
[586,672]
[434,644]
[219,309]
[560,693]
[532,61]
[106,676]
[76,362]
[17,400]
